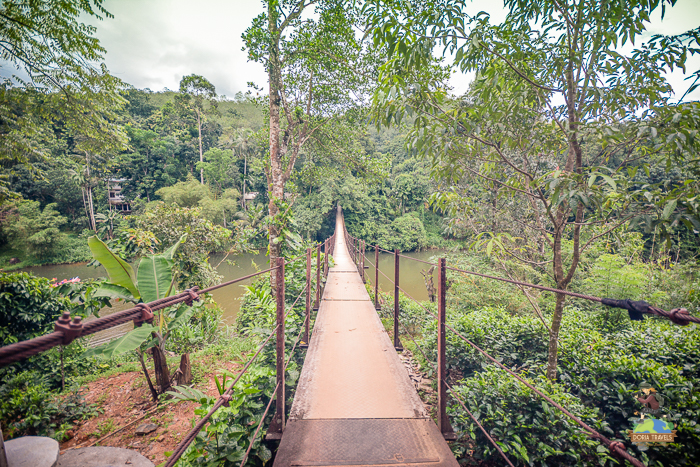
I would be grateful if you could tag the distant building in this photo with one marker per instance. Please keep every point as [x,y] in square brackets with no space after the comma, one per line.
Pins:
[249,197]
[114,191]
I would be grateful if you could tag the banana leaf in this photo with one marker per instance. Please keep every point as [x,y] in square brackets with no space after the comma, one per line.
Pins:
[128,342]
[120,272]
[114,291]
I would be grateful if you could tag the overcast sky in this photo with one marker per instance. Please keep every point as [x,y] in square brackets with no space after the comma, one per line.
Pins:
[154,43]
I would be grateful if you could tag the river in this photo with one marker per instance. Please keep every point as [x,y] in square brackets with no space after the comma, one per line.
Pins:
[229,298]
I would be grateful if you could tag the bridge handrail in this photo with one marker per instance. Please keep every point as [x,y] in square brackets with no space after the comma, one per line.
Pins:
[226,396]
[679,316]
[616,447]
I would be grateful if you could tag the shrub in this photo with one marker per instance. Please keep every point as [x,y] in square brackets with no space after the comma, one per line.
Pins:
[529,430]
[29,306]
[29,408]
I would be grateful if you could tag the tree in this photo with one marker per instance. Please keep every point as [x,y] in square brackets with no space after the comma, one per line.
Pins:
[34,228]
[63,61]
[312,66]
[554,101]
[195,92]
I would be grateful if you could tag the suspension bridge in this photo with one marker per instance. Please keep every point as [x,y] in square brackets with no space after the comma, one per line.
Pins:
[354,403]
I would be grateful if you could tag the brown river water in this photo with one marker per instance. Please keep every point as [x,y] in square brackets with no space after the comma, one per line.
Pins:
[229,298]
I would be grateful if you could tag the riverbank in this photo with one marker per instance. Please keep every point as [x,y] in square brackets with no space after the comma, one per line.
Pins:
[124,403]
[73,249]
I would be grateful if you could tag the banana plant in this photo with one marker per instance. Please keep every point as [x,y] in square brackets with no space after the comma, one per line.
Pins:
[153,280]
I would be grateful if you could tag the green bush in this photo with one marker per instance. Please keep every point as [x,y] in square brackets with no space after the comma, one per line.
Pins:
[518,340]
[599,368]
[29,408]
[34,229]
[29,306]
[529,430]
[199,331]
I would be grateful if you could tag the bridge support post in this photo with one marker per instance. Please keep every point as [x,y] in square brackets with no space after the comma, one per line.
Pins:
[308,297]
[443,422]
[376,277]
[277,425]
[397,342]
[362,261]
[325,258]
[318,277]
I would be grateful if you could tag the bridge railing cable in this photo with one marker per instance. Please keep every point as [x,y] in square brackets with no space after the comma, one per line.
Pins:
[226,396]
[616,447]
[68,329]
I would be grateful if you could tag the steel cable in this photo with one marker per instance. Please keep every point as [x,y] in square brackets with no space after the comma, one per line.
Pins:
[615,446]
[225,397]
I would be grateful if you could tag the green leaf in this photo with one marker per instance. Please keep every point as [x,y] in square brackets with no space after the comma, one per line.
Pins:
[670,207]
[182,318]
[119,271]
[113,291]
[128,342]
[610,181]
[154,275]
[170,252]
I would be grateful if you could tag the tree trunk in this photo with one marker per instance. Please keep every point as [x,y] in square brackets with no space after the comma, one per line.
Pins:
[201,154]
[245,176]
[275,174]
[183,375]
[552,360]
[154,393]
[93,224]
[161,368]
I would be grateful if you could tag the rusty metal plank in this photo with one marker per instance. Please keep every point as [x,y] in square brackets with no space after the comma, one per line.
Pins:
[415,442]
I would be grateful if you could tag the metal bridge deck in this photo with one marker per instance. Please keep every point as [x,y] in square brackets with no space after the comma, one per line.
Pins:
[355,404]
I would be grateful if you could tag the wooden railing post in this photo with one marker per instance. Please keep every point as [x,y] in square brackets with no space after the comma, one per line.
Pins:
[277,424]
[318,277]
[397,342]
[308,296]
[362,261]
[443,421]
[325,259]
[3,454]
[376,277]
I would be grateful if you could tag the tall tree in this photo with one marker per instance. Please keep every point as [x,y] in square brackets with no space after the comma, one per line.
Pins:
[312,58]
[554,101]
[46,40]
[197,94]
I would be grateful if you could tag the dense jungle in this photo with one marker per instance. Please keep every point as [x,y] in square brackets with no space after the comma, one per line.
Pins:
[569,162]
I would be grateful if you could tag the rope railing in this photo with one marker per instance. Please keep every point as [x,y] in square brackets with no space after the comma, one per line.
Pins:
[225,397]
[636,309]
[68,329]
[616,447]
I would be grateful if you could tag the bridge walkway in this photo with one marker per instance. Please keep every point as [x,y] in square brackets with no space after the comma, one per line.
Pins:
[355,403]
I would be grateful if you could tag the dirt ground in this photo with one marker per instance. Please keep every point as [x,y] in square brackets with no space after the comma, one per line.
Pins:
[125,398]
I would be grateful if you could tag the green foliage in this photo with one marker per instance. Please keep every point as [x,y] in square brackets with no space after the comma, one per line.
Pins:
[28,306]
[35,229]
[199,331]
[120,272]
[130,341]
[601,370]
[225,439]
[29,408]
[169,223]
[528,429]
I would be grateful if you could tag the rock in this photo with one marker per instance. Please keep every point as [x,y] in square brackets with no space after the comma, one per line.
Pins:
[146,428]
[32,451]
[14,260]
[102,457]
